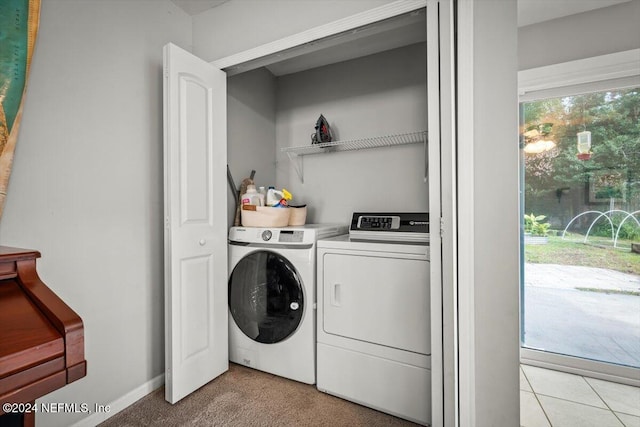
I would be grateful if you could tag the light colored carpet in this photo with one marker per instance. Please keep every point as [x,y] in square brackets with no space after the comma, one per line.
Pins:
[247,397]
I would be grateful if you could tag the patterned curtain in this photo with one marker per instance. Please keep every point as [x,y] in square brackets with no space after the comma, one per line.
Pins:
[18,29]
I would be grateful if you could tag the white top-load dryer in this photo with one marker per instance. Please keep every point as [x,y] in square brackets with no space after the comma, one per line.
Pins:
[373,329]
[272,294]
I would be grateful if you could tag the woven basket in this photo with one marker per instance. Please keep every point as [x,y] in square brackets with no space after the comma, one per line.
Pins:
[266,216]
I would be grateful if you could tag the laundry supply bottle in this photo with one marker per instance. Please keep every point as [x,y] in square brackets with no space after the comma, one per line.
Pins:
[278,198]
[272,198]
[262,194]
[251,197]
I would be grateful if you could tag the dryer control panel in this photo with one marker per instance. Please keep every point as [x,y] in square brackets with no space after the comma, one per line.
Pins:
[407,227]
[389,222]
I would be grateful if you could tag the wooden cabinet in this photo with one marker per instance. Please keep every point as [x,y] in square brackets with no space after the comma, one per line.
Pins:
[41,338]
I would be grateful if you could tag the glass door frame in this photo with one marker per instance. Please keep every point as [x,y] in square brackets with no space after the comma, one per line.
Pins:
[604,72]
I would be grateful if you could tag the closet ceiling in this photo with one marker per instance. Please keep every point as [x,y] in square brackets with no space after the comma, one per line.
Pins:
[381,36]
[529,11]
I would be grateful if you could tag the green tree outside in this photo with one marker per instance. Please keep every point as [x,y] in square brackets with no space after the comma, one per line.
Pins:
[559,184]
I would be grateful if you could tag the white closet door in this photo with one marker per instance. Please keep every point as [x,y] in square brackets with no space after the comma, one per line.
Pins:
[195,156]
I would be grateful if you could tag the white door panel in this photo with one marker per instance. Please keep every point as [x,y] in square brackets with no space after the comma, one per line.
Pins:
[381,300]
[196,334]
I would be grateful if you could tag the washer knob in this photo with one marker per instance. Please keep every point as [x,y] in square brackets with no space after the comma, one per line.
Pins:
[266,235]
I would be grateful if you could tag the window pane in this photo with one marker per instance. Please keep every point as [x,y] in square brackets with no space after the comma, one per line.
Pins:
[582,217]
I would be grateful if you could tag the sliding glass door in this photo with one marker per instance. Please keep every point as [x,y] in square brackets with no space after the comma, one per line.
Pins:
[580,189]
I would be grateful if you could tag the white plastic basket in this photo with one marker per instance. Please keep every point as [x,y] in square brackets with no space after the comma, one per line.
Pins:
[298,216]
[266,216]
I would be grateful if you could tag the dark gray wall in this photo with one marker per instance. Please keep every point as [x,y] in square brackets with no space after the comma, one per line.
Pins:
[251,129]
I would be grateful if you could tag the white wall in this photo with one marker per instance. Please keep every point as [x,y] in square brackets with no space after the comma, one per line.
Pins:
[584,35]
[488,214]
[238,25]
[86,187]
[377,95]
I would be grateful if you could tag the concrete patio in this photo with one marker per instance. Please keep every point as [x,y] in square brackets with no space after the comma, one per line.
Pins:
[586,312]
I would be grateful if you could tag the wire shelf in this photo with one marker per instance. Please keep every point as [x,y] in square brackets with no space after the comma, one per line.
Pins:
[296,154]
[358,144]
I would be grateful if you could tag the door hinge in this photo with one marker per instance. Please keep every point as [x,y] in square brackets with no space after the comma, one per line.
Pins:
[167,222]
[441,227]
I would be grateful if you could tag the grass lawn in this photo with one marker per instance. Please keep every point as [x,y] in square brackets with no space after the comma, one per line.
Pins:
[567,252]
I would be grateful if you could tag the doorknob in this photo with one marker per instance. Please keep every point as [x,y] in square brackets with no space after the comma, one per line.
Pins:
[202,242]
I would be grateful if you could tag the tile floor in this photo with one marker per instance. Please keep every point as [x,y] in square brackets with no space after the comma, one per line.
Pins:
[557,399]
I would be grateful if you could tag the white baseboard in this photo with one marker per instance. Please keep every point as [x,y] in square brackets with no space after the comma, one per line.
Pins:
[122,403]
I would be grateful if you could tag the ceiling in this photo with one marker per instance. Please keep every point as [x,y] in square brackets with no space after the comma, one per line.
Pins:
[388,34]
[194,7]
[535,11]
[529,11]
[399,31]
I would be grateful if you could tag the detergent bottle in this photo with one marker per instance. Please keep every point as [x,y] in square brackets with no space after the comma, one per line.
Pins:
[251,197]
[269,197]
[278,198]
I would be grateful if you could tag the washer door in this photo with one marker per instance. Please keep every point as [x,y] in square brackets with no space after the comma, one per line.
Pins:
[265,297]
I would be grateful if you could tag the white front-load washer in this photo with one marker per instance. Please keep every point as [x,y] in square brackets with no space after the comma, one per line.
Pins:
[373,325]
[272,298]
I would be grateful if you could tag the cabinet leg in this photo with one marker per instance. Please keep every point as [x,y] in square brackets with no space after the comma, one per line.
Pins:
[29,419]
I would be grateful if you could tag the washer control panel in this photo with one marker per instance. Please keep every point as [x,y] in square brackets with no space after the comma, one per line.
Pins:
[272,236]
[291,236]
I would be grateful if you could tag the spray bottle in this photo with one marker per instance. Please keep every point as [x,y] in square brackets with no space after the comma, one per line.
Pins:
[278,198]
